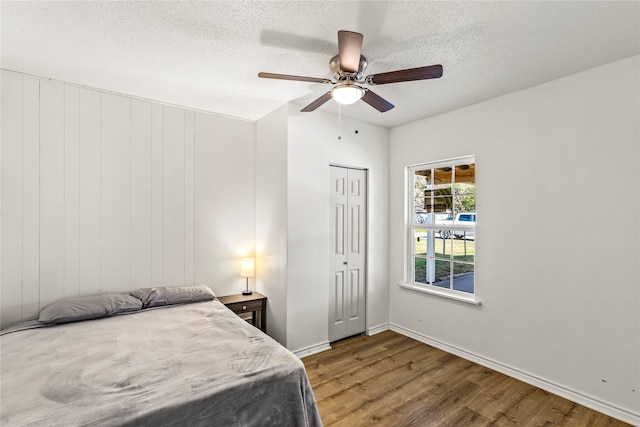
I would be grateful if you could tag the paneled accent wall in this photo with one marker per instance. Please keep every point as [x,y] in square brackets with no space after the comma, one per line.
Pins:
[98,193]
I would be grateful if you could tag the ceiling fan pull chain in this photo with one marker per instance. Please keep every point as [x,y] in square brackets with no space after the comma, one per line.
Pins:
[339,121]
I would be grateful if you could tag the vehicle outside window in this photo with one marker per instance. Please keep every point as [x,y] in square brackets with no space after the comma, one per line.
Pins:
[461,219]
[421,217]
[465,218]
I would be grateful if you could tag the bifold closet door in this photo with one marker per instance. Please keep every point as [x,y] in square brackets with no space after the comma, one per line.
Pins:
[347,299]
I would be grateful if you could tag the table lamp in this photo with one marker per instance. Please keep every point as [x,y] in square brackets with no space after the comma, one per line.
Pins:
[247,270]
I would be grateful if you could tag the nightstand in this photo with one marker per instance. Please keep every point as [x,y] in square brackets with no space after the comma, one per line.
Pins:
[248,307]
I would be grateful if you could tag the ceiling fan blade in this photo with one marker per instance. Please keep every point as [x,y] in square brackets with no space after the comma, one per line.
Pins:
[376,101]
[317,103]
[297,78]
[420,73]
[349,49]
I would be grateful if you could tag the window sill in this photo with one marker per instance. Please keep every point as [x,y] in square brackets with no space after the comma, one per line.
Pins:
[471,299]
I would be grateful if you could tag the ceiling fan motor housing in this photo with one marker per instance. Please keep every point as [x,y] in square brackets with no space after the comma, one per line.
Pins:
[341,75]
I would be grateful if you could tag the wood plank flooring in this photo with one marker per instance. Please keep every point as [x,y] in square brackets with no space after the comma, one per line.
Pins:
[391,380]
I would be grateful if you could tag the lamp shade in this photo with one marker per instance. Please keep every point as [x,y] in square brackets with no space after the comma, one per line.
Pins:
[246,267]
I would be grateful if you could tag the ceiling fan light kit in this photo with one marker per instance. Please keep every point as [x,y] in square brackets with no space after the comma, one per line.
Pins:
[348,68]
[347,93]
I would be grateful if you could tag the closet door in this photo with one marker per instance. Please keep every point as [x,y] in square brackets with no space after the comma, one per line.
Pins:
[347,299]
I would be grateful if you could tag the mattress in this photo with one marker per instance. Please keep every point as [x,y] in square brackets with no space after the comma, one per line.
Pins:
[190,364]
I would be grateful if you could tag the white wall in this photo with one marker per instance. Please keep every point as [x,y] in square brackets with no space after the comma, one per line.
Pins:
[102,192]
[271,219]
[558,189]
[312,146]
[224,201]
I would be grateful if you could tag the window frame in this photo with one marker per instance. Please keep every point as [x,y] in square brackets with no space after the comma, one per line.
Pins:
[411,226]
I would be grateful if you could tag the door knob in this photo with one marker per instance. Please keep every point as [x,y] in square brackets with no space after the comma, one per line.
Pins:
[345,262]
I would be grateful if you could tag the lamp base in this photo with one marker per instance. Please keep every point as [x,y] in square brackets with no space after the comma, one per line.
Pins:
[247,291]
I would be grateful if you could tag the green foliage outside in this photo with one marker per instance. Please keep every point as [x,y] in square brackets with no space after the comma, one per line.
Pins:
[463,251]
[466,201]
[461,199]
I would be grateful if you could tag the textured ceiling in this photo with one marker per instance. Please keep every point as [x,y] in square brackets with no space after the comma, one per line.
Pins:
[206,55]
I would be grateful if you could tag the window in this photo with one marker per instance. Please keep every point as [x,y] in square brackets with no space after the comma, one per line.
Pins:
[441,230]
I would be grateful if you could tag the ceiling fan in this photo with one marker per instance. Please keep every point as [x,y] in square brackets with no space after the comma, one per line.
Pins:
[348,68]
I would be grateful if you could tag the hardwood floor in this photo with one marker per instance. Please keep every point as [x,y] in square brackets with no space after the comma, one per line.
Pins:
[391,380]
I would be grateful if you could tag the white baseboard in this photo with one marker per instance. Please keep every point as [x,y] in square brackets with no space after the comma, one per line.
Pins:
[312,349]
[560,390]
[377,329]
[317,348]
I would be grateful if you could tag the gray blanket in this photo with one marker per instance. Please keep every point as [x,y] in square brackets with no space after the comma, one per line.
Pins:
[188,365]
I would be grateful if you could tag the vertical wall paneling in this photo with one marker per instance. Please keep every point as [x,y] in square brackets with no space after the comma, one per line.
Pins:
[189,197]
[89,187]
[157,143]
[173,197]
[30,197]
[11,274]
[51,190]
[71,189]
[99,194]
[115,203]
[140,194]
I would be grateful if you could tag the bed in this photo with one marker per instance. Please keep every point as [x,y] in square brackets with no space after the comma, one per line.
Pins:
[181,364]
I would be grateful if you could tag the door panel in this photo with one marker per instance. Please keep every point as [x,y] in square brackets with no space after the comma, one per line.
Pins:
[354,240]
[348,255]
[339,221]
[338,297]
[354,295]
[338,256]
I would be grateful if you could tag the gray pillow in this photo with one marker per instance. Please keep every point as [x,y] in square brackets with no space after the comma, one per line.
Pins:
[89,307]
[154,297]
